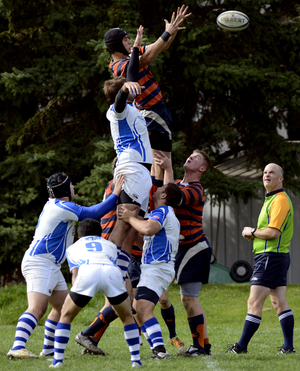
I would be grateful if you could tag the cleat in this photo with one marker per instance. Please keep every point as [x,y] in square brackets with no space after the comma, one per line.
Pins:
[86,351]
[58,364]
[88,343]
[281,350]
[160,355]
[49,357]
[137,364]
[236,349]
[207,349]
[190,352]
[21,354]
[176,342]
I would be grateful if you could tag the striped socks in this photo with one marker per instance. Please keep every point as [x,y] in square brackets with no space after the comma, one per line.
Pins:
[62,336]
[132,336]
[26,324]
[50,326]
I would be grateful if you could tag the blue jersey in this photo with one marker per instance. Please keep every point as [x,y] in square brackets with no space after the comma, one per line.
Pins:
[55,229]
[130,135]
[163,246]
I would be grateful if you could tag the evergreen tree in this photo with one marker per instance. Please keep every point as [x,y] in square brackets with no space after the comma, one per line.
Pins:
[225,89]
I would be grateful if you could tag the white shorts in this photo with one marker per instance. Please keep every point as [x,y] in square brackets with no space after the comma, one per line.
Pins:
[95,278]
[156,277]
[137,182]
[42,275]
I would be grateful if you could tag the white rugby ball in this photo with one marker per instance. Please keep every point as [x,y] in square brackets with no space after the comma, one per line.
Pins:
[233,20]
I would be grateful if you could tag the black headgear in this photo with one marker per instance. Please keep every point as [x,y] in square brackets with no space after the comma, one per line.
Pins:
[59,186]
[114,40]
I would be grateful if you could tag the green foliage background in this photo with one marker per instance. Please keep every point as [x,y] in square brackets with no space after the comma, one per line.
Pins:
[228,90]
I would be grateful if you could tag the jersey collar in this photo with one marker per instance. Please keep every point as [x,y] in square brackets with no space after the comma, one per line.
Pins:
[274,192]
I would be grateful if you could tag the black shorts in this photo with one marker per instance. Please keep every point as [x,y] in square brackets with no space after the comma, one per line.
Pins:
[144,293]
[159,125]
[270,270]
[192,264]
[160,141]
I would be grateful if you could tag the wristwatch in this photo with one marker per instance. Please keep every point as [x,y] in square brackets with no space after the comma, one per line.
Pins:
[252,231]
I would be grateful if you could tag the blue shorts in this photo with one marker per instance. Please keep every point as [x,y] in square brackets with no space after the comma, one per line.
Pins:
[270,270]
[192,264]
[134,271]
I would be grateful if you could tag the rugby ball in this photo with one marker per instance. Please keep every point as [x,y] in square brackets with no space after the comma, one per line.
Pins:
[233,20]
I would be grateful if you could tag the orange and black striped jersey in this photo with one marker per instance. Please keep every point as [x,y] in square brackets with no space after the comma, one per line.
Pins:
[152,94]
[190,213]
[136,252]
[108,221]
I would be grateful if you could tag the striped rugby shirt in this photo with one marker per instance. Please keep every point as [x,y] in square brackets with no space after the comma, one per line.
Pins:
[190,213]
[152,94]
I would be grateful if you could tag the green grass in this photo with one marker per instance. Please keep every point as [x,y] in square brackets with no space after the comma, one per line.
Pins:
[225,306]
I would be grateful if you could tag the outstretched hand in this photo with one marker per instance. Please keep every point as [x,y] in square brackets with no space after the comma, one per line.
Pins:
[176,20]
[139,35]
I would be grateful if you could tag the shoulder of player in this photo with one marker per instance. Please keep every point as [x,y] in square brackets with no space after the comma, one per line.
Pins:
[192,186]
[280,199]
[65,205]
[113,64]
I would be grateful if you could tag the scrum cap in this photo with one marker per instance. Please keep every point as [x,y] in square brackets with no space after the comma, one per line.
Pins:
[113,40]
[59,186]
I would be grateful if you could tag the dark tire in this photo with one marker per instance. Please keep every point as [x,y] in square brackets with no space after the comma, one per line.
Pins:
[241,271]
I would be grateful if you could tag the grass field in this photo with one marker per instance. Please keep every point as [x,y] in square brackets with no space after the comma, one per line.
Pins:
[225,306]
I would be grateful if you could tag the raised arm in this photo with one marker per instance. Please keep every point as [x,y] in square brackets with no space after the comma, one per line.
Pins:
[131,86]
[133,65]
[165,40]
[165,162]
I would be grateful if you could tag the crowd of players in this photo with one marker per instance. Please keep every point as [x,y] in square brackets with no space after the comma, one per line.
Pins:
[146,247]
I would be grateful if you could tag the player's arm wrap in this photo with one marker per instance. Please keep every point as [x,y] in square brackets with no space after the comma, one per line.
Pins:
[165,36]
[133,66]
[120,101]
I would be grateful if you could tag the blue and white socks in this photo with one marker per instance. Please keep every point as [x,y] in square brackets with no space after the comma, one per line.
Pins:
[132,336]
[26,324]
[62,336]
[50,326]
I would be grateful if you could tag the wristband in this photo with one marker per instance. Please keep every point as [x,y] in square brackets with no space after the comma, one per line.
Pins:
[165,36]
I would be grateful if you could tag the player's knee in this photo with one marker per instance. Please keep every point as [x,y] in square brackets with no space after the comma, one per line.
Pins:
[186,301]
[164,302]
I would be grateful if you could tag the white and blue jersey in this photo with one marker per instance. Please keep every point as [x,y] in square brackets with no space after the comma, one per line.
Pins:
[163,246]
[130,135]
[55,229]
[91,250]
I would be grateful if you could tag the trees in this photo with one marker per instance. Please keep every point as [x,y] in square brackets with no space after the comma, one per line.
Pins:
[222,88]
